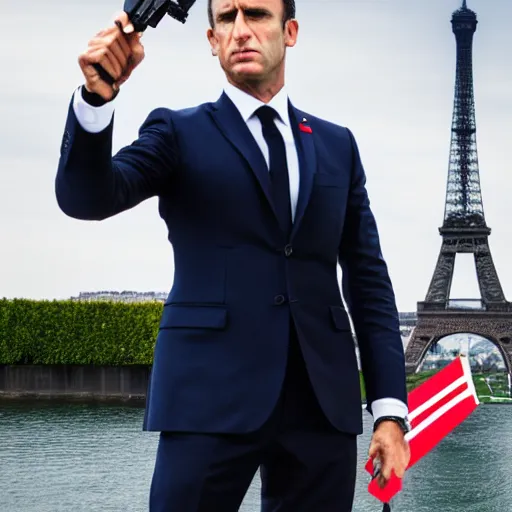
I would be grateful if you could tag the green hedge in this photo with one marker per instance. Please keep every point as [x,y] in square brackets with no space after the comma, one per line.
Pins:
[77,332]
[96,333]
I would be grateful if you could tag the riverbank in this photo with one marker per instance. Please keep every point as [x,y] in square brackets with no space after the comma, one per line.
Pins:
[75,382]
[128,384]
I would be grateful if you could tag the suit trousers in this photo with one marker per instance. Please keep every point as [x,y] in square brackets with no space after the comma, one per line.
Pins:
[306,465]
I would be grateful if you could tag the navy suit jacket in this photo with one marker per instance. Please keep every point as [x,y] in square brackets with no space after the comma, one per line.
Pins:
[221,350]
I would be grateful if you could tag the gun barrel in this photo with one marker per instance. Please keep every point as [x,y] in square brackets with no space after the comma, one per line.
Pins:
[179,10]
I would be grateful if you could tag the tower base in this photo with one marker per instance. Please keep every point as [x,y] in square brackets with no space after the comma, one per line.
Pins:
[493,324]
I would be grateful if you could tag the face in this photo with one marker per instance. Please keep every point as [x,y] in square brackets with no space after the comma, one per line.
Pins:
[249,38]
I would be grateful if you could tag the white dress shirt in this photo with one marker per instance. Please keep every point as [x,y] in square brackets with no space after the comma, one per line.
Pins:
[247,106]
[96,119]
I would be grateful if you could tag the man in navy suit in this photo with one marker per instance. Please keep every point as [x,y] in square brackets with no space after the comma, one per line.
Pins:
[254,364]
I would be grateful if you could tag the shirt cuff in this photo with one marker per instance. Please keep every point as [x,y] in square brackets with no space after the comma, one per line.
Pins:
[388,407]
[92,119]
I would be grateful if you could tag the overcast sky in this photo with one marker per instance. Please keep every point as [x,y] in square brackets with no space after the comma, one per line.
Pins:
[384,68]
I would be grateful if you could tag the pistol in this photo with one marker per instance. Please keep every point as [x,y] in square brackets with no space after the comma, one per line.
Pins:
[144,13]
[149,12]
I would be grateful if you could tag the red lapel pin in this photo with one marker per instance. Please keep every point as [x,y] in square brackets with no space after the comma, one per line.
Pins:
[303,127]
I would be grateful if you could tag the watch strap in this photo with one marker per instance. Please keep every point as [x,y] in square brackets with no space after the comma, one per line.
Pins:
[402,422]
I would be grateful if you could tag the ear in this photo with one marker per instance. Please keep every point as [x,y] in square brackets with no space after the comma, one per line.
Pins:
[291,31]
[212,39]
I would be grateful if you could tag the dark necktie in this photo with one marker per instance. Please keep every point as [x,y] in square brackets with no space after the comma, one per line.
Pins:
[278,167]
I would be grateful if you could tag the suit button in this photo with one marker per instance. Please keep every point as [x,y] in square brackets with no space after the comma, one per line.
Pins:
[279,299]
[288,250]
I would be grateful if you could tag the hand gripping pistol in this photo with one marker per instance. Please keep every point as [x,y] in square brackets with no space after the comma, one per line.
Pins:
[144,13]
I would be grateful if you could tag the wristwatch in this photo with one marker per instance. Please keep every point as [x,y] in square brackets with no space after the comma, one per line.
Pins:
[402,422]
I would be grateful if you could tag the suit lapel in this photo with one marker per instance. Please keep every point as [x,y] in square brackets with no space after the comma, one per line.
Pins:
[307,162]
[230,122]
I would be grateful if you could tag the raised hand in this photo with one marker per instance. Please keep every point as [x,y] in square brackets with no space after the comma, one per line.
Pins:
[118,50]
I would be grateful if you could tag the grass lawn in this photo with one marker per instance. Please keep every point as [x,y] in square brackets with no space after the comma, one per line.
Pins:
[499,385]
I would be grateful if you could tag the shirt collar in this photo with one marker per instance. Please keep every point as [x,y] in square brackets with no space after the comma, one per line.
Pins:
[247,104]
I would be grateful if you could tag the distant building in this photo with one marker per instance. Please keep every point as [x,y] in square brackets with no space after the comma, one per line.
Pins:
[409,318]
[407,324]
[124,296]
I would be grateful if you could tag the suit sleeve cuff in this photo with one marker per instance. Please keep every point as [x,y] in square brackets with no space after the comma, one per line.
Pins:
[389,407]
[92,119]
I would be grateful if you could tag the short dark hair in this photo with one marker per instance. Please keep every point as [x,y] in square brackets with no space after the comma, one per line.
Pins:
[289,11]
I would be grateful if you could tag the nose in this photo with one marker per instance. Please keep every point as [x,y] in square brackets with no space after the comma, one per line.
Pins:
[241,30]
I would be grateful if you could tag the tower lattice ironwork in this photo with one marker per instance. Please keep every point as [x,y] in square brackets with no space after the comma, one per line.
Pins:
[464,207]
[464,229]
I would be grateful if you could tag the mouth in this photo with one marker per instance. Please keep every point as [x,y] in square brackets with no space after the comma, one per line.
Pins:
[244,50]
[244,53]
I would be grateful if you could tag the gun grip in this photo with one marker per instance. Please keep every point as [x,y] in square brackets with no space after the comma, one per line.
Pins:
[103,74]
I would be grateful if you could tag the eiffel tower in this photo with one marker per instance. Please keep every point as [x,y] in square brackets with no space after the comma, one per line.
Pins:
[464,230]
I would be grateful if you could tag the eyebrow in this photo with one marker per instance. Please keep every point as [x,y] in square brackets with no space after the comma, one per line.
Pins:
[246,10]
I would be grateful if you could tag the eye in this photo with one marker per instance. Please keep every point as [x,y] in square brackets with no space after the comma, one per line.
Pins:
[226,17]
[256,13]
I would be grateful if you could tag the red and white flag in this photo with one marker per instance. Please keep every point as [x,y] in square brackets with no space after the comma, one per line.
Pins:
[436,407]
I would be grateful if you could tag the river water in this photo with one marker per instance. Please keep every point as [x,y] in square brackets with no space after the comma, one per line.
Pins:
[95,458]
